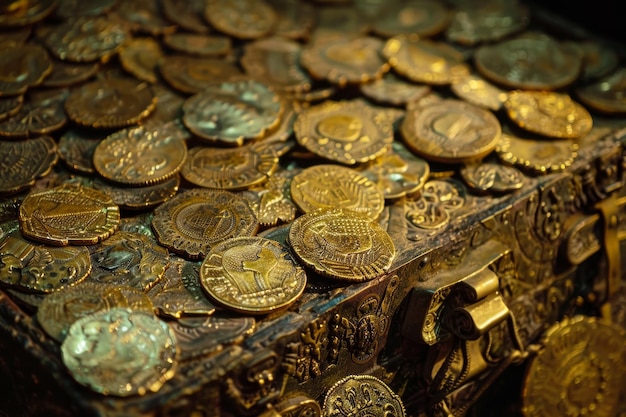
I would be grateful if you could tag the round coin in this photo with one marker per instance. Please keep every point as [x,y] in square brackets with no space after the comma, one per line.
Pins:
[68,214]
[143,16]
[97,352]
[451,131]
[479,92]
[41,114]
[393,90]
[424,18]
[186,13]
[22,67]
[24,161]
[198,44]
[27,12]
[141,57]
[252,275]
[141,197]
[110,103]
[348,132]
[191,75]
[492,177]
[607,94]
[243,19]
[549,114]
[9,106]
[336,186]
[65,74]
[195,220]
[536,156]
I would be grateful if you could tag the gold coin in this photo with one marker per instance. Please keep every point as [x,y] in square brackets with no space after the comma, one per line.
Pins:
[41,114]
[10,106]
[138,156]
[31,267]
[230,168]
[191,75]
[24,161]
[143,16]
[607,94]
[194,221]
[343,60]
[141,57]
[549,114]
[424,18]
[272,203]
[22,67]
[97,352]
[451,131]
[76,149]
[579,371]
[425,61]
[198,44]
[252,275]
[187,14]
[488,176]
[243,19]
[479,92]
[536,156]
[68,214]
[32,11]
[65,74]
[111,103]
[342,244]
[335,186]
[347,132]
[140,197]
[294,19]
[393,90]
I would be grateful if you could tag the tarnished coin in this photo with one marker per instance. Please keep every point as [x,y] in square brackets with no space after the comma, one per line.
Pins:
[86,39]
[169,108]
[252,275]
[59,310]
[188,14]
[494,177]
[549,114]
[65,74]
[141,57]
[344,60]
[599,59]
[607,94]
[393,90]
[424,18]
[22,67]
[76,149]
[31,267]
[347,132]
[229,168]
[276,62]
[110,103]
[294,19]
[139,156]
[536,156]
[191,75]
[361,393]
[68,214]
[26,13]
[479,92]
[140,197]
[579,370]
[42,113]
[14,36]
[75,8]
[451,131]
[342,244]
[9,106]
[24,161]
[98,354]
[194,221]
[198,44]
[532,61]
[143,16]
[336,186]
[243,19]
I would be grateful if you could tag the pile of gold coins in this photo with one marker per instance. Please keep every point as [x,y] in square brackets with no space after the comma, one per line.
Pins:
[165,163]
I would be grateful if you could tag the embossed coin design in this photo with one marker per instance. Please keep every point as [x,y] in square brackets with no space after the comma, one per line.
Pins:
[252,275]
[111,103]
[335,186]
[195,220]
[191,75]
[27,13]
[342,244]
[97,352]
[68,214]
[451,131]
[393,90]
[536,156]
[244,19]
[41,114]
[479,92]
[347,132]
[492,177]
[139,197]
[24,161]
[433,208]
[22,67]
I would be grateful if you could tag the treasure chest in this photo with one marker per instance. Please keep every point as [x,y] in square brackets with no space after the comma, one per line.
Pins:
[309,208]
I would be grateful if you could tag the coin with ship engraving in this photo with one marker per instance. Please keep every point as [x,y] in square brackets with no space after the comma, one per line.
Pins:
[60,309]
[65,74]
[141,57]
[9,106]
[22,67]
[191,75]
[41,114]
[36,268]
[195,220]
[578,371]
[451,131]
[606,95]
[345,60]
[336,186]
[548,113]
[242,19]
[348,132]
[361,395]
[139,156]
[187,14]
[488,176]
[23,161]
[536,156]
[252,275]
[68,214]
[97,352]
[478,91]
[342,244]
[425,61]
[393,90]
[23,13]
[199,44]
[424,18]
[110,103]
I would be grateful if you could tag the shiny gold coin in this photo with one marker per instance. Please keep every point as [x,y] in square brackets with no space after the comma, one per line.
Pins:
[110,103]
[344,60]
[479,92]
[607,94]
[97,352]
[143,16]
[198,44]
[24,161]
[342,244]
[22,67]
[230,168]
[536,156]
[579,370]
[243,19]
[68,214]
[138,156]
[42,113]
[187,14]
[549,114]
[488,176]
[140,197]
[252,275]
[61,309]
[451,131]
[194,221]
[393,90]
[9,106]
[32,11]
[425,61]
[272,203]
[191,75]
[31,267]
[141,57]
[424,18]
[335,186]
[532,61]
[65,74]
[347,132]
